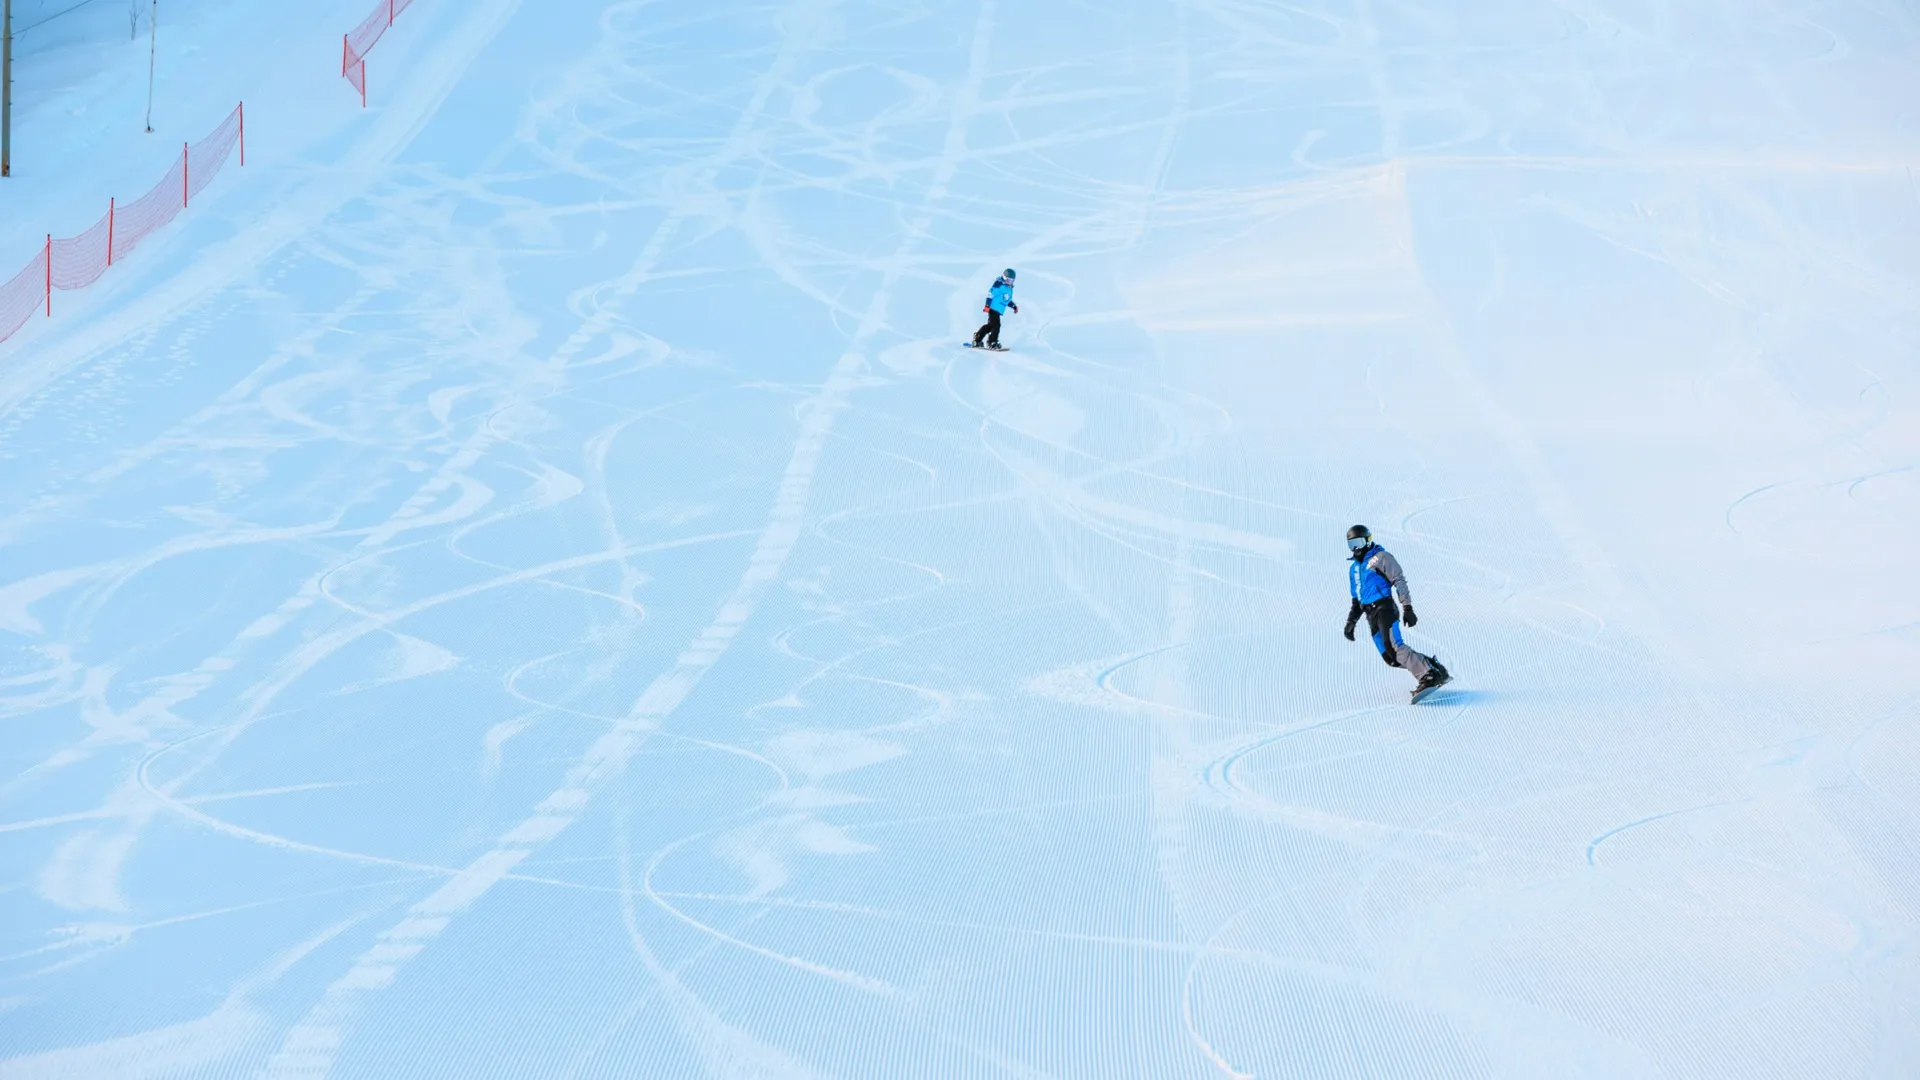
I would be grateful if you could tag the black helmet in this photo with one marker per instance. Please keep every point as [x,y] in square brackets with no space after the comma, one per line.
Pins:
[1007,273]
[1359,538]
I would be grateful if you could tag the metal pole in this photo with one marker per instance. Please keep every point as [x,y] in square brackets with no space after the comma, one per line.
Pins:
[6,92]
[153,47]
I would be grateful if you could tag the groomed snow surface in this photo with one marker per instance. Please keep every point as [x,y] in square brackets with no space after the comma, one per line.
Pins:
[523,582]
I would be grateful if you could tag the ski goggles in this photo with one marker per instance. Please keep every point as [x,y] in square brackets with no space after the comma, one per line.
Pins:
[1355,543]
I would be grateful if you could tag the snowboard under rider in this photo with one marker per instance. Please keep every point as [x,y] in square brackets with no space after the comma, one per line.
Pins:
[1372,578]
[999,301]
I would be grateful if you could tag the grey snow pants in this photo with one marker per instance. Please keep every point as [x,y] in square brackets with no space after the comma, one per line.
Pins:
[1383,622]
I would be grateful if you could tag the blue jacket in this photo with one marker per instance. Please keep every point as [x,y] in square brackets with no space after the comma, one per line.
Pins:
[1374,574]
[1001,298]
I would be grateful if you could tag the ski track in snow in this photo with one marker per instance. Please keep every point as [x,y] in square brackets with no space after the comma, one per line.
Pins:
[551,597]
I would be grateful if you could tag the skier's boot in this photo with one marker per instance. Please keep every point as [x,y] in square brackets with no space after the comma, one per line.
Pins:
[1436,677]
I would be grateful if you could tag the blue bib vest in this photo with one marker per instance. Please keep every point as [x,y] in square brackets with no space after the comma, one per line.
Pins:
[1367,584]
[1000,296]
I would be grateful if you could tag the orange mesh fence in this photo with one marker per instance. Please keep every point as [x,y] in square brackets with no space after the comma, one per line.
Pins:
[359,41]
[151,212]
[80,260]
[206,157]
[76,262]
[22,296]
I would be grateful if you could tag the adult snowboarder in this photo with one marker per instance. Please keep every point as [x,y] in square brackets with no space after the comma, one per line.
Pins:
[1373,578]
[999,302]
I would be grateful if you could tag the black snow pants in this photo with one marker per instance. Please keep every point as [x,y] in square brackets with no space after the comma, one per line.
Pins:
[990,333]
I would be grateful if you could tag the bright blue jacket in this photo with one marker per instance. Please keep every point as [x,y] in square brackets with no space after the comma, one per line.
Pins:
[1001,298]
[1366,581]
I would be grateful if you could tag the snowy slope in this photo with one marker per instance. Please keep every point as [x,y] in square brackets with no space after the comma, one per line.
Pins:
[525,583]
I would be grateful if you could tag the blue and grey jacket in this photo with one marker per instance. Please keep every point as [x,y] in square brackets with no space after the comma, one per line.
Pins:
[1000,298]
[1375,575]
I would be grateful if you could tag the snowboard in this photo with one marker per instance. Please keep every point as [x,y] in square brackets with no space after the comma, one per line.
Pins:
[990,348]
[1424,693]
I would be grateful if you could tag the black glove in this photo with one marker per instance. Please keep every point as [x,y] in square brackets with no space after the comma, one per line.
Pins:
[1353,619]
[1411,619]
[1015,308]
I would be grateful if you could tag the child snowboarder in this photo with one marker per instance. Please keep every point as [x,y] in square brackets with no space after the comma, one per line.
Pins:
[999,301]
[1372,579]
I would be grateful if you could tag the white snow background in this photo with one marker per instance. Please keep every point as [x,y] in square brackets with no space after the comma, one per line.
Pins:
[521,580]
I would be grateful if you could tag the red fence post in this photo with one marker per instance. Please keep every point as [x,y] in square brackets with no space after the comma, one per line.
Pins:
[109,232]
[346,55]
[243,137]
[389,14]
[49,275]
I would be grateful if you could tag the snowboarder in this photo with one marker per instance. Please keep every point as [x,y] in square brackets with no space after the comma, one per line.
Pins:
[1373,578]
[999,301]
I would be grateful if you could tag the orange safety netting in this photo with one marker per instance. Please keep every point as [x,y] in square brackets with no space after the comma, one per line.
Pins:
[78,261]
[360,40]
